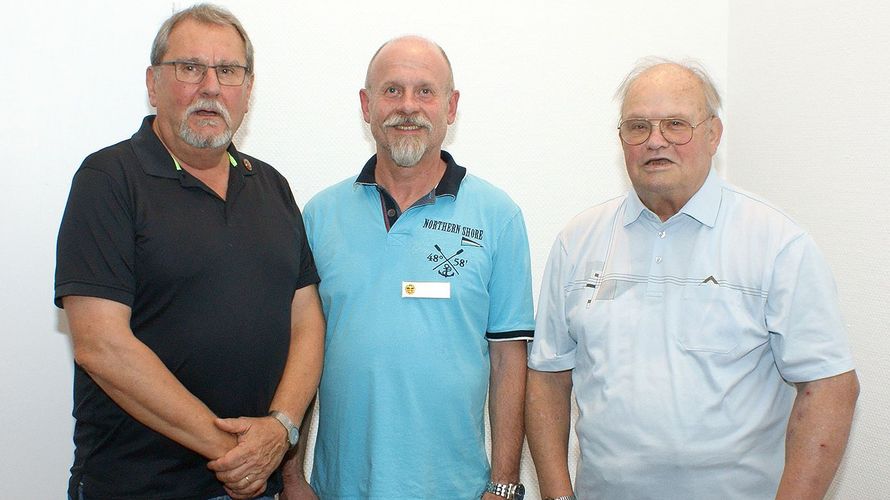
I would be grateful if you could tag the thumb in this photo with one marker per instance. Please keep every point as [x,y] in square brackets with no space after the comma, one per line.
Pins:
[232,425]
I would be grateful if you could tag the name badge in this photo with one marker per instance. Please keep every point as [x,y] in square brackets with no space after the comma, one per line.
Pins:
[426,290]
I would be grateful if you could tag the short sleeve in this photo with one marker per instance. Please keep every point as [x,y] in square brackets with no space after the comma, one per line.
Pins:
[803,315]
[511,310]
[554,347]
[308,272]
[95,251]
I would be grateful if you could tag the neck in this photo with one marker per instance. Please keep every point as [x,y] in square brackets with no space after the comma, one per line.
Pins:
[188,156]
[408,184]
[210,166]
[662,207]
[666,204]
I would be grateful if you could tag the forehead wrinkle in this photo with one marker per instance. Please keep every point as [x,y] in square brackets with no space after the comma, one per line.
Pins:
[408,56]
[191,36]
[666,87]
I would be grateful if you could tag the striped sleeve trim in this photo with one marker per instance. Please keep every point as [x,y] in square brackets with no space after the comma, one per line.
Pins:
[511,335]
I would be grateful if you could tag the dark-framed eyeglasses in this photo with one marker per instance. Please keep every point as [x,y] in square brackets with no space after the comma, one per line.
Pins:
[677,131]
[192,72]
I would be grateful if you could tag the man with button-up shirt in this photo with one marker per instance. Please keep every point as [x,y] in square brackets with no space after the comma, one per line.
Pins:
[189,288]
[697,324]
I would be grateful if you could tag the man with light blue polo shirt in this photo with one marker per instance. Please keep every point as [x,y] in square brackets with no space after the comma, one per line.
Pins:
[426,287]
[698,326]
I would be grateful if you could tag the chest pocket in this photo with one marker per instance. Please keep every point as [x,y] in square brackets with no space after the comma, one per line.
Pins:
[712,318]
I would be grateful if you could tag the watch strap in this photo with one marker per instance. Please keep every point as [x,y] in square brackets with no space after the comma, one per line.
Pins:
[293,432]
[506,490]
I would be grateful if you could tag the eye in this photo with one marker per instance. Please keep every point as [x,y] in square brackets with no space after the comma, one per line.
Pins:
[638,126]
[676,124]
[391,90]
[190,67]
[426,92]
[225,70]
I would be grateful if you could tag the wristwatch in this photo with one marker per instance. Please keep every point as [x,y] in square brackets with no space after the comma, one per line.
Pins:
[514,491]
[293,432]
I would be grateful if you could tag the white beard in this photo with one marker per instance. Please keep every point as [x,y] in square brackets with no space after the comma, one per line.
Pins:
[408,151]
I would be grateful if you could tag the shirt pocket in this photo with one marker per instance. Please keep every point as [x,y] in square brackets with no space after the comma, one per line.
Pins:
[711,319]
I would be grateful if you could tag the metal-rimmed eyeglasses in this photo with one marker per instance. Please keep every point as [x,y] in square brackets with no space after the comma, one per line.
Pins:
[191,72]
[677,131]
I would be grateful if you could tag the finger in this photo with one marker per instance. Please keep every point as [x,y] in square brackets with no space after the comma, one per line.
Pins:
[232,425]
[248,487]
[235,476]
[236,457]
[258,487]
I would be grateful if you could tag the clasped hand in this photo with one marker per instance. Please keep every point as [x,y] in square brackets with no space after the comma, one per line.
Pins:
[244,469]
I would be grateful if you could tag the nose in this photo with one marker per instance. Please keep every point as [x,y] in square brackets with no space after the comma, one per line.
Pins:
[408,104]
[210,84]
[656,140]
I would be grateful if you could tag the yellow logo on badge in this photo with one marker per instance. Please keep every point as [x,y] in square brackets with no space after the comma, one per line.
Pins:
[409,288]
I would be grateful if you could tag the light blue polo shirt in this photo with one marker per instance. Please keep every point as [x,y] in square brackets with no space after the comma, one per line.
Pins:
[684,338]
[405,378]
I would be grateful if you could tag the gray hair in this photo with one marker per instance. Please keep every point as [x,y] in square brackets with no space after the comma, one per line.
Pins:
[712,97]
[427,40]
[204,13]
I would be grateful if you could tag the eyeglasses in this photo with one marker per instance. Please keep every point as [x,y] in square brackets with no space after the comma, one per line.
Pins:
[676,131]
[192,72]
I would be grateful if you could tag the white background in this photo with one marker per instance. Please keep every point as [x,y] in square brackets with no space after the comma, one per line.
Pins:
[806,116]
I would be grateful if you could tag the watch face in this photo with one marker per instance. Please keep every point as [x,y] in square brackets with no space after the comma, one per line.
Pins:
[519,494]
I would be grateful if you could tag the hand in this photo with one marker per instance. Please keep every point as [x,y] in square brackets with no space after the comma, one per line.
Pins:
[297,488]
[244,469]
[491,496]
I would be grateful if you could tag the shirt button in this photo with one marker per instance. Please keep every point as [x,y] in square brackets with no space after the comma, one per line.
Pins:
[658,260]
[391,212]
[661,234]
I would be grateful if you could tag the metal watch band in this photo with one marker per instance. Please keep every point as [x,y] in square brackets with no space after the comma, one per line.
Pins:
[564,497]
[506,490]
[293,432]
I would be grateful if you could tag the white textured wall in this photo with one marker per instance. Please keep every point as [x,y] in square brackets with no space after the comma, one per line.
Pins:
[536,117]
[809,102]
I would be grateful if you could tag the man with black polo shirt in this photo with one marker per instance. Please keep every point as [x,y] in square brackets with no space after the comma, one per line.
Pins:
[189,287]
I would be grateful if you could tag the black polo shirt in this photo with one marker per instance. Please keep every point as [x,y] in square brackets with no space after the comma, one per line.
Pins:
[210,283]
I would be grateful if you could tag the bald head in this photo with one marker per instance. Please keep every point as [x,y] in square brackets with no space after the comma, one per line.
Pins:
[659,71]
[410,47]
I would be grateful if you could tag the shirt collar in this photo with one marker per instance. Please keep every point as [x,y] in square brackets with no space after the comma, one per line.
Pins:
[705,203]
[157,161]
[448,185]
[703,206]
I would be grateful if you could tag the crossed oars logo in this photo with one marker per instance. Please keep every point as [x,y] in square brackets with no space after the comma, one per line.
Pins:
[450,269]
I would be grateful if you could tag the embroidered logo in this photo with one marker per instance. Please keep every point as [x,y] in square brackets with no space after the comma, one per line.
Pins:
[710,279]
[444,265]
[470,236]
[467,242]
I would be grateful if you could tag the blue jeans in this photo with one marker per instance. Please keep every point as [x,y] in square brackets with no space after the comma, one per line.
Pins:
[227,497]
[224,497]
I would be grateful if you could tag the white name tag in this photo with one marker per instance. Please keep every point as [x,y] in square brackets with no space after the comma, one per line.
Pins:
[426,290]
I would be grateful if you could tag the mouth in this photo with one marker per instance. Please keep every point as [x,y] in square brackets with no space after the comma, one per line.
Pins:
[658,162]
[408,128]
[402,123]
[208,112]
